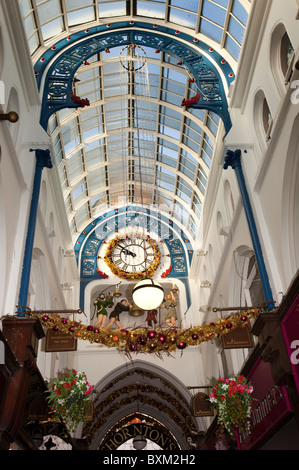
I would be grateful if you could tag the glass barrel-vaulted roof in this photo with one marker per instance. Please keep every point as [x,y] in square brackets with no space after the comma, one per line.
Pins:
[98,151]
[220,21]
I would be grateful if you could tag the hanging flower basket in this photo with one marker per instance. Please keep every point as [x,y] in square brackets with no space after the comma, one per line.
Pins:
[70,398]
[232,399]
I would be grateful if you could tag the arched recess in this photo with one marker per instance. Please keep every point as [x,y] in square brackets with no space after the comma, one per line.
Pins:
[221,231]
[142,388]
[2,52]
[229,201]
[211,262]
[245,284]
[43,199]
[13,105]
[245,290]
[290,205]
[38,295]
[96,287]
[51,229]
[3,246]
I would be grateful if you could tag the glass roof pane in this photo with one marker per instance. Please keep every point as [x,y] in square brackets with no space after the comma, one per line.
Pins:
[183,18]
[29,24]
[214,12]
[74,4]
[48,10]
[33,43]
[81,16]
[110,9]
[239,12]
[236,29]
[232,47]
[25,6]
[152,9]
[211,30]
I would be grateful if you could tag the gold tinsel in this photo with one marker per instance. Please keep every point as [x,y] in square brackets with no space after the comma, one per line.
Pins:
[147,340]
[138,275]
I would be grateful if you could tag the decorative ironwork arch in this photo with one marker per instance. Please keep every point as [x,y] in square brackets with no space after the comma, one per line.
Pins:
[61,70]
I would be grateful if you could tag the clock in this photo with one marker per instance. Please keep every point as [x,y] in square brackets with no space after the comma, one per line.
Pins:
[133,256]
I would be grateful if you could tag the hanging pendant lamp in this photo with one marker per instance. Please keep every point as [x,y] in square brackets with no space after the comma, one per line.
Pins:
[148,294]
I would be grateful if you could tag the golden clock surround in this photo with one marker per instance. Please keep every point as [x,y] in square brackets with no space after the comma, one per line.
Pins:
[136,275]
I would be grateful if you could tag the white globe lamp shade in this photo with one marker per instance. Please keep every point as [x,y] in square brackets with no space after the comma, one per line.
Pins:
[148,294]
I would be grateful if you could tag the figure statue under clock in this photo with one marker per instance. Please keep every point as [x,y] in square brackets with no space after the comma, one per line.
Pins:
[101,304]
[171,313]
[120,307]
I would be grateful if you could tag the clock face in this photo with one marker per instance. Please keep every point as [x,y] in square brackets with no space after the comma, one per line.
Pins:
[132,255]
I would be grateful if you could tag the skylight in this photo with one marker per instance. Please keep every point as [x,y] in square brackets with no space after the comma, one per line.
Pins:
[176,148]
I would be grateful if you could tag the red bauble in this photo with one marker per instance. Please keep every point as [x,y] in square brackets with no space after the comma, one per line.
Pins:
[142,340]
[162,338]
[151,334]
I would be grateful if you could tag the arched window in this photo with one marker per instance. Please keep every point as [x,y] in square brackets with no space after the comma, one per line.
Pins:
[266,118]
[281,57]
[286,56]
[262,119]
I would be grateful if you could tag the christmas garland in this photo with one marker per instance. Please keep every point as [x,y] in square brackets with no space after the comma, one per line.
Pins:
[146,340]
[139,275]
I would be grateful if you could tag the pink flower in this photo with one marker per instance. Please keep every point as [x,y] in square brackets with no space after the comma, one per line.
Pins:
[90,388]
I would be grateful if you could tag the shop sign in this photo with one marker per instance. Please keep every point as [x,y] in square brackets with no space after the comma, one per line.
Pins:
[201,405]
[163,439]
[270,407]
[290,328]
[57,341]
[237,339]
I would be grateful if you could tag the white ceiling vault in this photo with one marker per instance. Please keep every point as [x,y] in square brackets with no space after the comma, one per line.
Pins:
[168,149]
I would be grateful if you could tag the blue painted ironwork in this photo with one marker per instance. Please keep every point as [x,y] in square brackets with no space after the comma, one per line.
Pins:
[93,236]
[59,77]
[233,159]
[43,160]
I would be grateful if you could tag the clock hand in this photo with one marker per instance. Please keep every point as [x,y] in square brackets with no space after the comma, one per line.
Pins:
[128,252]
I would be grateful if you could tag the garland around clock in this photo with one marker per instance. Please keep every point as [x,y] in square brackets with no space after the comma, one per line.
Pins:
[137,275]
[146,340]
